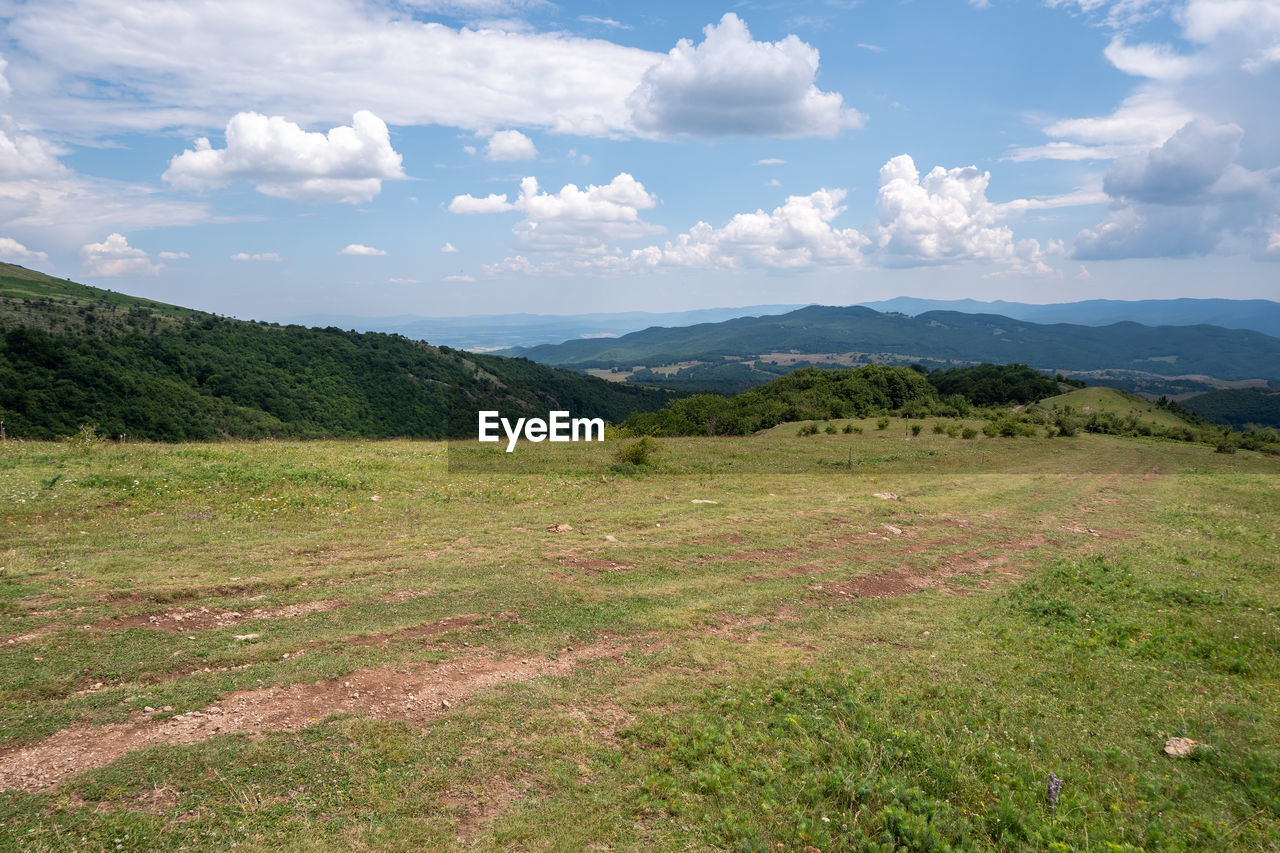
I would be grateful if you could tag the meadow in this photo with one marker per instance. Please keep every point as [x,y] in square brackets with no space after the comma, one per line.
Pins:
[850,641]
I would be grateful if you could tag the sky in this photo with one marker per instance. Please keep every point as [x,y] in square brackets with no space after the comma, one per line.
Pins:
[450,157]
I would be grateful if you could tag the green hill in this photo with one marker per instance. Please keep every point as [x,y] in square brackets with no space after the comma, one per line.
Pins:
[1086,401]
[72,355]
[1238,407]
[828,335]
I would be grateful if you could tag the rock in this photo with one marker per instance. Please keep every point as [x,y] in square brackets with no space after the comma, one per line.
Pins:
[247,636]
[444,703]
[886,496]
[611,539]
[376,498]
[896,531]
[559,528]
[1179,747]
[702,501]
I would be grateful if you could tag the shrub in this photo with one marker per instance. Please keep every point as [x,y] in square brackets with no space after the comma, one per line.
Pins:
[939,429]
[637,454]
[953,430]
[915,428]
[883,423]
[807,429]
[969,432]
[830,430]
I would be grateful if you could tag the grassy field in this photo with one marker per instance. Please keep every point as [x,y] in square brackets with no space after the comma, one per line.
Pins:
[838,642]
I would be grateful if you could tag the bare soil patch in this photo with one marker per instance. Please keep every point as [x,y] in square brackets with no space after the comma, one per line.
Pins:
[912,579]
[417,694]
[204,619]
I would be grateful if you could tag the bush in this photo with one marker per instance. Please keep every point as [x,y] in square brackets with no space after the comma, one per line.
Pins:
[830,430]
[915,428]
[883,423]
[637,454]
[953,430]
[807,429]
[939,429]
[969,432]
[848,429]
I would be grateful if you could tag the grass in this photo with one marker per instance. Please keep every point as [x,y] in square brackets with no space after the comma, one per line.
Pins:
[1077,602]
[1099,399]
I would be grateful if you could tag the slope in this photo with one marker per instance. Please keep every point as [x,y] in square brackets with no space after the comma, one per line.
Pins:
[72,355]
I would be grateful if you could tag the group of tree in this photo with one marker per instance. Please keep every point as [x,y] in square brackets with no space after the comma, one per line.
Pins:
[212,377]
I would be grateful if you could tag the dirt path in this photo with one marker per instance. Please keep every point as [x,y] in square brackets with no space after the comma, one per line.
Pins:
[416,694]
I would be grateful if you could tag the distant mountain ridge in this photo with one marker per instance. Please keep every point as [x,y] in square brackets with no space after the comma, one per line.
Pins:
[1259,315]
[844,335]
[483,332]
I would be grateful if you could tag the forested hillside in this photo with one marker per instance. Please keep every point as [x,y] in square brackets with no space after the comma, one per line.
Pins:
[72,355]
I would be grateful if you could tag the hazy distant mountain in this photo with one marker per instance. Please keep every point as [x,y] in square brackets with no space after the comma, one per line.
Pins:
[1260,315]
[482,332]
[828,335]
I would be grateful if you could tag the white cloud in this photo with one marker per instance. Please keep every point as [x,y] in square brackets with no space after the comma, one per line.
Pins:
[874,48]
[731,85]
[1156,61]
[347,164]
[23,155]
[11,250]
[403,280]
[510,145]
[360,249]
[460,278]
[795,235]
[572,218]
[448,249]
[773,182]
[1149,231]
[1182,198]
[115,257]
[945,216]
[261,256]
[604,22]
[173,256]
[1184,169]
[771,161]
[492,203]
[5,89]
[193,63]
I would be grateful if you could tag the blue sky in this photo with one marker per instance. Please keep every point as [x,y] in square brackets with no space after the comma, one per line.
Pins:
[443,157]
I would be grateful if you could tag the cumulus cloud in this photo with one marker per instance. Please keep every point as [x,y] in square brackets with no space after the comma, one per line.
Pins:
[1181,198]
[731,85]
[360,249]
[347,164]
[798,234]
[1185,169]
[510,145]
[115,257]
[11,250]
[448,249]
[1149,231]
[261,256]
[945,216]
[573,218]
[24,155]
